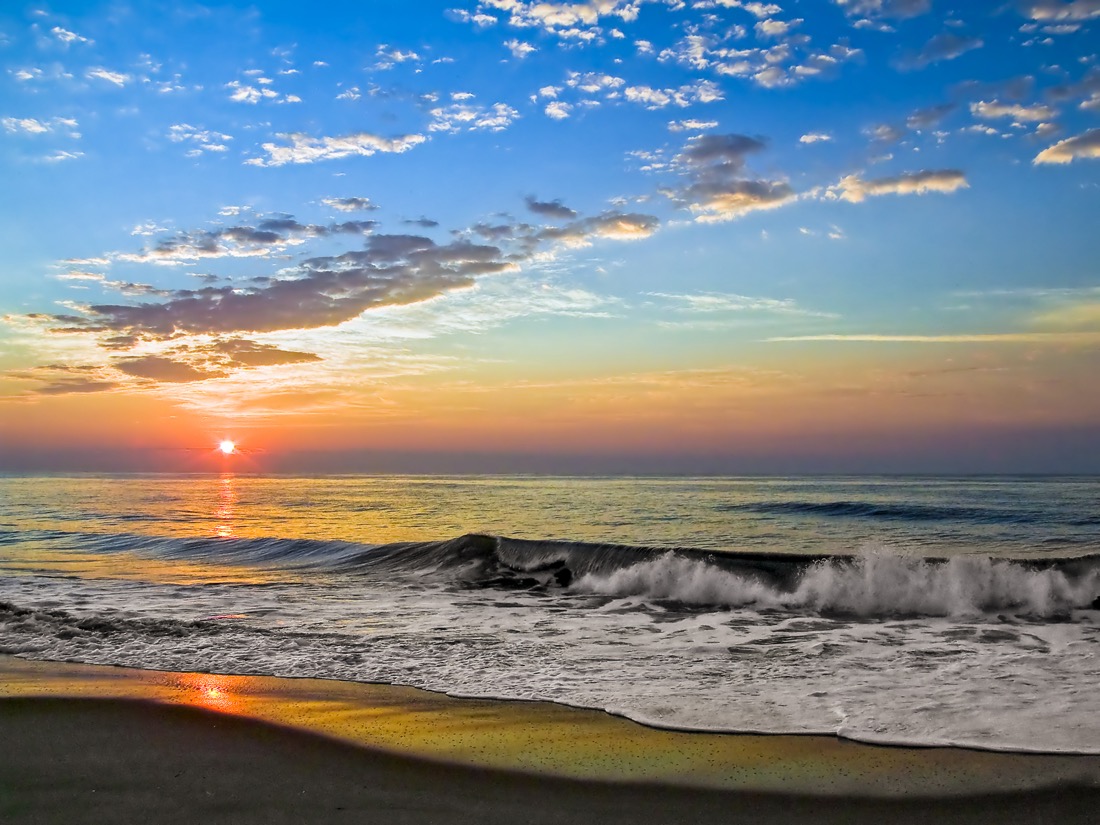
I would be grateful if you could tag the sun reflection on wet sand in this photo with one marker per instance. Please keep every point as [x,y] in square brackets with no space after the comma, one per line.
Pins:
[210,691]
[226,510]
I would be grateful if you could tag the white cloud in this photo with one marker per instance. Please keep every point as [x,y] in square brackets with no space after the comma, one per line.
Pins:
[33,126]
[854,188]
[57,157]
[67,37]
[558,109]
[519,49]
[691,125]
[718,302]
[991,109]
[27,125]
[471,117]
[145,229]
[815,137]
[100,73]
[703,91]
[201,140]
[775,28]
[1085,145]
[304,148]
[249,94]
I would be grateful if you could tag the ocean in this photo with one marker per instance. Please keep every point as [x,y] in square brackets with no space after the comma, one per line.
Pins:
[891,610]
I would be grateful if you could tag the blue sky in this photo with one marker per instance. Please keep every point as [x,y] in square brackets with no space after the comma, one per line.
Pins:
[662,230]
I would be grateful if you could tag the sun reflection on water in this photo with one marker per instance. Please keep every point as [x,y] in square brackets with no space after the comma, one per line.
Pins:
[226,510]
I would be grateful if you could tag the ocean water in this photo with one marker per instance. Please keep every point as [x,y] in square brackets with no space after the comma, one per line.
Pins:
[915,611]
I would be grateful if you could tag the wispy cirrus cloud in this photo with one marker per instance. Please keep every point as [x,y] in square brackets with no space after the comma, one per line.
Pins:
[946,46]
[33,126]
[118,79]
[1085,338]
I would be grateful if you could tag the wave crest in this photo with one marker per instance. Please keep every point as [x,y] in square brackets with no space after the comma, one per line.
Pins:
[875,583]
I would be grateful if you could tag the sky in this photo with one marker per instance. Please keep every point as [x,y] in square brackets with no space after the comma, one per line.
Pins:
[709,236]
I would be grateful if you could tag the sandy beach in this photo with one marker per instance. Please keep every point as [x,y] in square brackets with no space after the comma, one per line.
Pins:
[96,744]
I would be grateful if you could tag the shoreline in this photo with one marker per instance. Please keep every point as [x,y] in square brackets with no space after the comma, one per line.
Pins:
[554,740]
[93,743]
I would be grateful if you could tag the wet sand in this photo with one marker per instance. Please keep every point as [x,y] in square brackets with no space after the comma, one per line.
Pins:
[94,744]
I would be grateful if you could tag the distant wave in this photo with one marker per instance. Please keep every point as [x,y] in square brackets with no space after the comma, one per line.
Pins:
[902,512]
[868,584]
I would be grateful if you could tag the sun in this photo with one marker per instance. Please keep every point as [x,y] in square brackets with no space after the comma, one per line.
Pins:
[227,447]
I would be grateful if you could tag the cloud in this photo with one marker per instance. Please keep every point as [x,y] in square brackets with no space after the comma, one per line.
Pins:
[201,139]
[991,109]
[728,149]
[33,126]
[302,148]
[1060,10]
[115,78]
[161,369]
[241,241]
[241,352]
[929,116]
[815,137]
[550,209]
[388,58]
[691,125]
[319,292]
[62,155]
[787,62]
[583,232]
[519,49]
[68,38]
[1085,145]
[244,93]
[558,109]
[349,204]
[717,188]
[945,46]
[975,338]
[703,91]
[884,8]
[471,117]
[67,386]
[1084,315]
[594,82]
[854,189]
[577,22]
[758,10]
[722,302]
[776,28]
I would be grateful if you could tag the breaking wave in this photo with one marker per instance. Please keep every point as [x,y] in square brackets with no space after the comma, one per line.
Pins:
[870,584]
